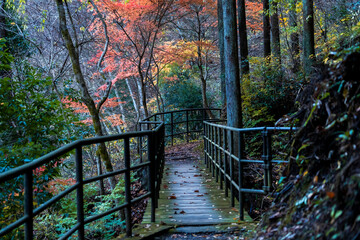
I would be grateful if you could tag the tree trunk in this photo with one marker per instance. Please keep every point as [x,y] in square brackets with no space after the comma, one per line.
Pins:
[294,38]
[244,49]
[275,31]
[86,98]
[133,98]
[202,68]
[266,29]
[232,74]
[221,49]
[308,36]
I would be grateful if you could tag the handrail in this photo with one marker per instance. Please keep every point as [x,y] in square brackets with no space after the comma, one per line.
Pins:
[182,122]
[154,163]
[155,135]
[224,145]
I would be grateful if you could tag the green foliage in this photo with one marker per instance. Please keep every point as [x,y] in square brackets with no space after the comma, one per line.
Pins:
[179,90]
[31,125]
[62,217]
[267,95]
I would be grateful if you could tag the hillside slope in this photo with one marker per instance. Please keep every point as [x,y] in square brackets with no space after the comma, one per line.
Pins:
[320,198]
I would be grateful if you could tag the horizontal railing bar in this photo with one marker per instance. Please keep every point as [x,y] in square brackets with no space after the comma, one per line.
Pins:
[251,129]
[13,225]
[245,190]
[100,215]
[12,173]
[15,172]
[146,195]
[118,208]
[105,175]
[242,160]
[249,190]
[70,232]
[183,110]
[110,174]
[55,199]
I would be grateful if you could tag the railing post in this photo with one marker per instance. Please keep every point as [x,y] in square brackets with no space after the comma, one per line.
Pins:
[172,128]
[267,160]
[152,176]
[225,163]
[212,164]
[80,192]
[29,224]
[231,146]
[205,144]
[127,188]
[265,157]
[221,175]
[140,145]
[216,154]
[187,126]
[241,195]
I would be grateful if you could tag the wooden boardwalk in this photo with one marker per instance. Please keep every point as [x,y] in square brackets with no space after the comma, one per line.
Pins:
[189,194]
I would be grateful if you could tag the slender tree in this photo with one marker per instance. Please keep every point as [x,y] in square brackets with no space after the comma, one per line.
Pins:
[232,73]
[86,98]
[275,30]
[221,48]
[244,50]
[266,29]
[308,35]
[294,37]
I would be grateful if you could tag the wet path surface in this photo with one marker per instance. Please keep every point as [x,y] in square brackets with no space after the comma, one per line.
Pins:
[189,194]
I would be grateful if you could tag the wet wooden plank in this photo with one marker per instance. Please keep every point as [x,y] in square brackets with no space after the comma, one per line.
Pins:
[189,195]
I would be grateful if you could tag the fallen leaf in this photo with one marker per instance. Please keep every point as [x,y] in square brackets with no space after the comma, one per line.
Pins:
[166,186]
[196,191]
[172,197]
[316,179]
[175,212]
[200,195]
[330,194]
[182,212]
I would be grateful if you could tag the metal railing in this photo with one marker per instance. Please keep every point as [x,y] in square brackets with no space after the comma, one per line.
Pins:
[182,122]
[224,147]
[154,164]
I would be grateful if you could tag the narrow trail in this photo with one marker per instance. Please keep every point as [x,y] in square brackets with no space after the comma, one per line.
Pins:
[191,200]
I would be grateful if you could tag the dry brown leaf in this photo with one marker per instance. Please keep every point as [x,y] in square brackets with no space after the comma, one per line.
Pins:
[330,194]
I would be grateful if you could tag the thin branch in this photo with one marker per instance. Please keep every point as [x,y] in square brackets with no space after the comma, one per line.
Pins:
[73,27]
[101,59]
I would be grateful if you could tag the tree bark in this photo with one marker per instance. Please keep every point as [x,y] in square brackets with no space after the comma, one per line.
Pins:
[133,98]
[308,36]
[202,68]
[294,38]
[86,97]
[266,29]
[244,49]
[275,31]
[232,73]
[221,50]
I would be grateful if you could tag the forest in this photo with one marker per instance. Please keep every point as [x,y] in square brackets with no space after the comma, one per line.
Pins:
[77,69]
